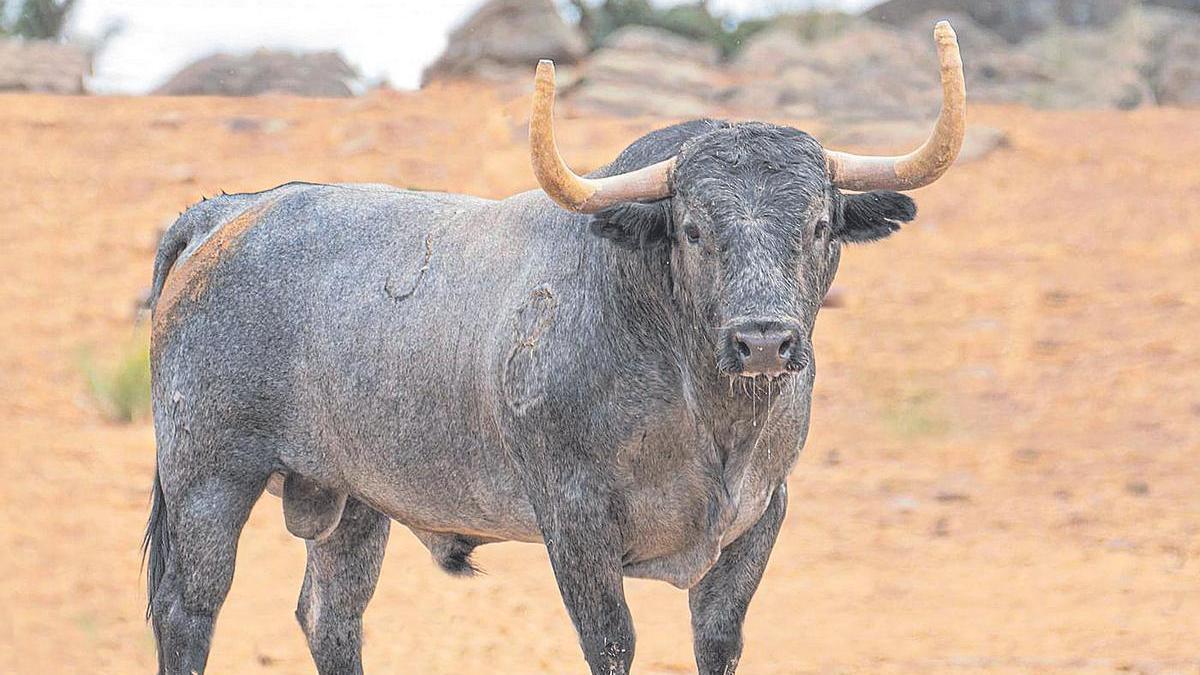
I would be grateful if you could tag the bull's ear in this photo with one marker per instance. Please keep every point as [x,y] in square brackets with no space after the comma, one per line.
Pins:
[635,225]
[873,215]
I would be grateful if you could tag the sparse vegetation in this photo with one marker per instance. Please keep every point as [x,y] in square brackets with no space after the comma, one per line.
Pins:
[697,21]
[36,19]
[917,415]
[120,383]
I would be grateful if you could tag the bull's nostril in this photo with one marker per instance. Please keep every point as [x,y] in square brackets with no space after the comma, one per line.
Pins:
[785,348]
[743,349]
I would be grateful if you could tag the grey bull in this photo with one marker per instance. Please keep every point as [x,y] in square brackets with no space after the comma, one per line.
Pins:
[616,366]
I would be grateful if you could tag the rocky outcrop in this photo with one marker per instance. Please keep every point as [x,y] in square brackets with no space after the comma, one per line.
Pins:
[865,72]
[1173,67]
[43,66]
[1014,20]
[1043,53]
[319,74]
[647,71]
[507,37]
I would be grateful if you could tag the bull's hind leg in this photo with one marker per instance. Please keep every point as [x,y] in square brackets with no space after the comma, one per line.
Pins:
[204,518]
[339,581]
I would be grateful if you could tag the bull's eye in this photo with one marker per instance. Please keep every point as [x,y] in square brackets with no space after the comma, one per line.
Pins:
[692,233]
[821,229]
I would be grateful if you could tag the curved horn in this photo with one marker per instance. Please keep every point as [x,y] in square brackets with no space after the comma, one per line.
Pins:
[928,162]
[573,192]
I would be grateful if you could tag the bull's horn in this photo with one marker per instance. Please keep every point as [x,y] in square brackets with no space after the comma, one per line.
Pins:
[573,192]
[928,162]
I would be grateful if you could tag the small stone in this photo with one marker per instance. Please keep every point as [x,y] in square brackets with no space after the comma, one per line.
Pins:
[182,173]
[941,528]
[1139,488]
[168,120]
[1027,455]
[903,503]
[954,488]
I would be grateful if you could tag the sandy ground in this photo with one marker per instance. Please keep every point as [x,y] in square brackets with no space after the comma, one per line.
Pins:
[1002,471]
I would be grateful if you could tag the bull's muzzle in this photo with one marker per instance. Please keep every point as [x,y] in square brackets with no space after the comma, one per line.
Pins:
[770,348]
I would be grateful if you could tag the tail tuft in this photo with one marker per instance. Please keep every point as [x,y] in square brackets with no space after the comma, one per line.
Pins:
[156,545]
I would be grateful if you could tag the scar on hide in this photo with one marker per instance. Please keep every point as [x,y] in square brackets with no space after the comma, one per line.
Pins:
[535,316]
[190,278]
[399,289]
[521,368]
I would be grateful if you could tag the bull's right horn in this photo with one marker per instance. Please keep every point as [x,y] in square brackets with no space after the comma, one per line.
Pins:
[571,191]
[928,162]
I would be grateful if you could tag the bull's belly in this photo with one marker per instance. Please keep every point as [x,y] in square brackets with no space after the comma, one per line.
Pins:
[486,513]
[673,537]
[679,517]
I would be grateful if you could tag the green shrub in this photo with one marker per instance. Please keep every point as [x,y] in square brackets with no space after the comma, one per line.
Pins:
[120,384]
[697,21]
[37,19]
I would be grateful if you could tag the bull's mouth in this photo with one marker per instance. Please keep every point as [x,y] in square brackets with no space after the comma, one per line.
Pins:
[796,364]
[750,375]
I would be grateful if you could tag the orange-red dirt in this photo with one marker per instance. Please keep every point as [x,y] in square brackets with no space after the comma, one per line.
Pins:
[1003,470]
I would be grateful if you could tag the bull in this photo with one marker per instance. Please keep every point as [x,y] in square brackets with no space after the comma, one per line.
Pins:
[616,366]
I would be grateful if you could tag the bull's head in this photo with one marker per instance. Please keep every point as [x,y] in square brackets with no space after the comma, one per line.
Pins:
[757,214]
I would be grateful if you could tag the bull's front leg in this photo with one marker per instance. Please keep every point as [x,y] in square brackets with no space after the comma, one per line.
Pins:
[581,520]
[719,601]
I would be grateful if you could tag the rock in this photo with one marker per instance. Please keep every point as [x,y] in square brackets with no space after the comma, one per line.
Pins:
[1139,488]
[1090,69]
[614,98]
[941,527]
[663,44]
[1189,5]
[771,51]
[903,504]
[954,488]
[504,39]
[613,65]
[867,71]
[1173,66]
[255,125]
[1014,20]
[996,71]
[181,173]
[320,74]
[618,80]
[43,66]
[1027,455]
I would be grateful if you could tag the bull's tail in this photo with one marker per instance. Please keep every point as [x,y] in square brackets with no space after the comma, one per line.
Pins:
[156,545]
[174,240]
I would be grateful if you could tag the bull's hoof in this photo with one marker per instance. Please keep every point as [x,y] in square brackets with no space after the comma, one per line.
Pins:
[309,510]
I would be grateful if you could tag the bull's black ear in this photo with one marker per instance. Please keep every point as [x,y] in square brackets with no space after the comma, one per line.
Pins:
[873,215]
[635,225]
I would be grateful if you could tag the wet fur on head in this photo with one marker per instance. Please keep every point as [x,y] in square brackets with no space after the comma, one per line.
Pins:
[858,218]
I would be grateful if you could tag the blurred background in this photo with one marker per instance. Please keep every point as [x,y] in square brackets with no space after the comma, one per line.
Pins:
[1002,471]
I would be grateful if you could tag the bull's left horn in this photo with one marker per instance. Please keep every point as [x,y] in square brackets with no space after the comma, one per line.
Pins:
[928,162]
[571,191]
